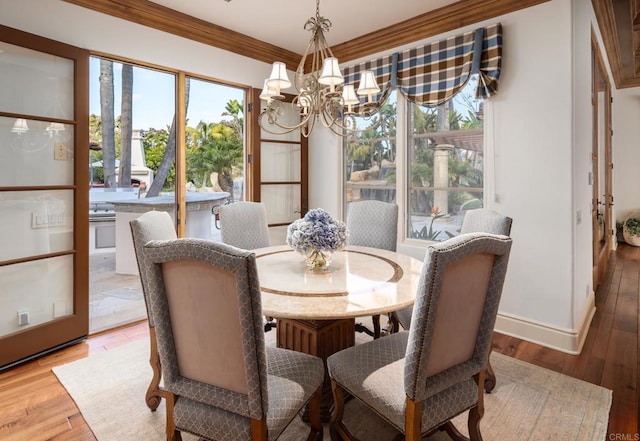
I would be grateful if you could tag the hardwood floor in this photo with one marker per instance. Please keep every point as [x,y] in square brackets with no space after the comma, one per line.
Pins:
[35,407]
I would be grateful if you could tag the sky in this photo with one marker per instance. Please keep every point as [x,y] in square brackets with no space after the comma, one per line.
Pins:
[154,97]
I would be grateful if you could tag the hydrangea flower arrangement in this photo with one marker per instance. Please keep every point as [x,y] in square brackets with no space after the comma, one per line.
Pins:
[317,233]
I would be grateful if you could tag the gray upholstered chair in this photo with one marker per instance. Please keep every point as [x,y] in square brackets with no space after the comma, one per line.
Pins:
[418,380]
[221,382]
[372,224]
[152,225]
[244,225]
[481,220]
[486,220]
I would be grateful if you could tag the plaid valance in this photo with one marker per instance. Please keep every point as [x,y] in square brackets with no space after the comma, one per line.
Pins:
[432,74]
[384,70]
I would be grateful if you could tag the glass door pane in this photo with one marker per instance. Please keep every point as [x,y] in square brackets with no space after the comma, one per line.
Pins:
[132,170]
[42,257]
[215,153]
[282,169]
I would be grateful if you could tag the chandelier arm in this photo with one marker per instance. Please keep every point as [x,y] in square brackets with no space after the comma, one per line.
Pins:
[271,113]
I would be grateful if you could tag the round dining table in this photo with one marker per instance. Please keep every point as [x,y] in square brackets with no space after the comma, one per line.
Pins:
[315,310]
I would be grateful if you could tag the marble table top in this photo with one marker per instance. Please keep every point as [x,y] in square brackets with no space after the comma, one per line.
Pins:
[360,281]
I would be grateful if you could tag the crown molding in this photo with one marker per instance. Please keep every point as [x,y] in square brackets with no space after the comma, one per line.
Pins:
[447,18]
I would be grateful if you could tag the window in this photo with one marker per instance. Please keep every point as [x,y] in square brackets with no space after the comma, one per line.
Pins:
[442,148]
[371,157]
[445,165]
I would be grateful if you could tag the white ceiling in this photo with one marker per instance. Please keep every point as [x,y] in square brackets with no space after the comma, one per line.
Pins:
[281,22]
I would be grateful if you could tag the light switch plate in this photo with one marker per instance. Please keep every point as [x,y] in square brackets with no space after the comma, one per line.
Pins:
[60,152]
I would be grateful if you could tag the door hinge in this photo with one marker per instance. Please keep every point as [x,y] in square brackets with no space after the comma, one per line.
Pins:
[250,107]
[249,159]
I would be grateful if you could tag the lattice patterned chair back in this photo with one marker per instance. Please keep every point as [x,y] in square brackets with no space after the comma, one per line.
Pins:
[244,225]
[486,220]
[222,382]
[418,380]
[372,224]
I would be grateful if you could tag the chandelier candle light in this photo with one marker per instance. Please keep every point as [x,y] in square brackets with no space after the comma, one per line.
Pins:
[321,92]
[316,236]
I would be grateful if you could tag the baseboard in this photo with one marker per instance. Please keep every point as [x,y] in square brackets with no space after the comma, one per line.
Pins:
[561,339]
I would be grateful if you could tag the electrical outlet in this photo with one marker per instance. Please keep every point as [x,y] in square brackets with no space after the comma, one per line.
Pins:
[23,318]
[60,152]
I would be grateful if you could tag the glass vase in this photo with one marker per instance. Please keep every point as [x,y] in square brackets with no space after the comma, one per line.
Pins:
[318,260]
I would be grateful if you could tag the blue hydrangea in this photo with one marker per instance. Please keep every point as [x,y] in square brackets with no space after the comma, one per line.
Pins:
[317,230]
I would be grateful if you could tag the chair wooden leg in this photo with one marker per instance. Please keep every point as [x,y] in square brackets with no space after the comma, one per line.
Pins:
[490,379]
[376,326]
[154,394]
[476,413]
[453,433]
[259,429]
[269,324]
[395,324]
[173,434]
[413,420]
[337,430]
[314,416]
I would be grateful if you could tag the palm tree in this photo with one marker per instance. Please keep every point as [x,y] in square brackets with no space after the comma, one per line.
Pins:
[108,123]
[124,180]
[234,109]
[169,157]
[217,148]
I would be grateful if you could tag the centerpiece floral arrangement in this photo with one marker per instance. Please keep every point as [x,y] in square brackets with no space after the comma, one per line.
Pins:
[317,235]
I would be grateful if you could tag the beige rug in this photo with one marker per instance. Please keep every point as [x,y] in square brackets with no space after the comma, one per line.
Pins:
[528,403]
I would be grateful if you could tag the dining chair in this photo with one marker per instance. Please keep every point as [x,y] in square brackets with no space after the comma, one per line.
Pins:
[374,224]
[152,225]
[243,224]
[418,380]
[482,220]
[222,382]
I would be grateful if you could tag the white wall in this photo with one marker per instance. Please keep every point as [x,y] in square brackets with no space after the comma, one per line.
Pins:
[326,172]
[538,131]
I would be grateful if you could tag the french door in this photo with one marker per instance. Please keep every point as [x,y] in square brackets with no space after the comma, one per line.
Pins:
[279,170]
[602,165]
[43,195]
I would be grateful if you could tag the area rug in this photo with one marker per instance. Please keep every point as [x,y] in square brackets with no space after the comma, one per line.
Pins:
[528,403]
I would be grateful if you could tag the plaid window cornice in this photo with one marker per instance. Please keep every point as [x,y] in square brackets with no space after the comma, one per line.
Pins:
[432,74]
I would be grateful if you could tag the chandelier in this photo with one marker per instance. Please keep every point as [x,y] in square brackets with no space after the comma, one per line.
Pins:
[321,93]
